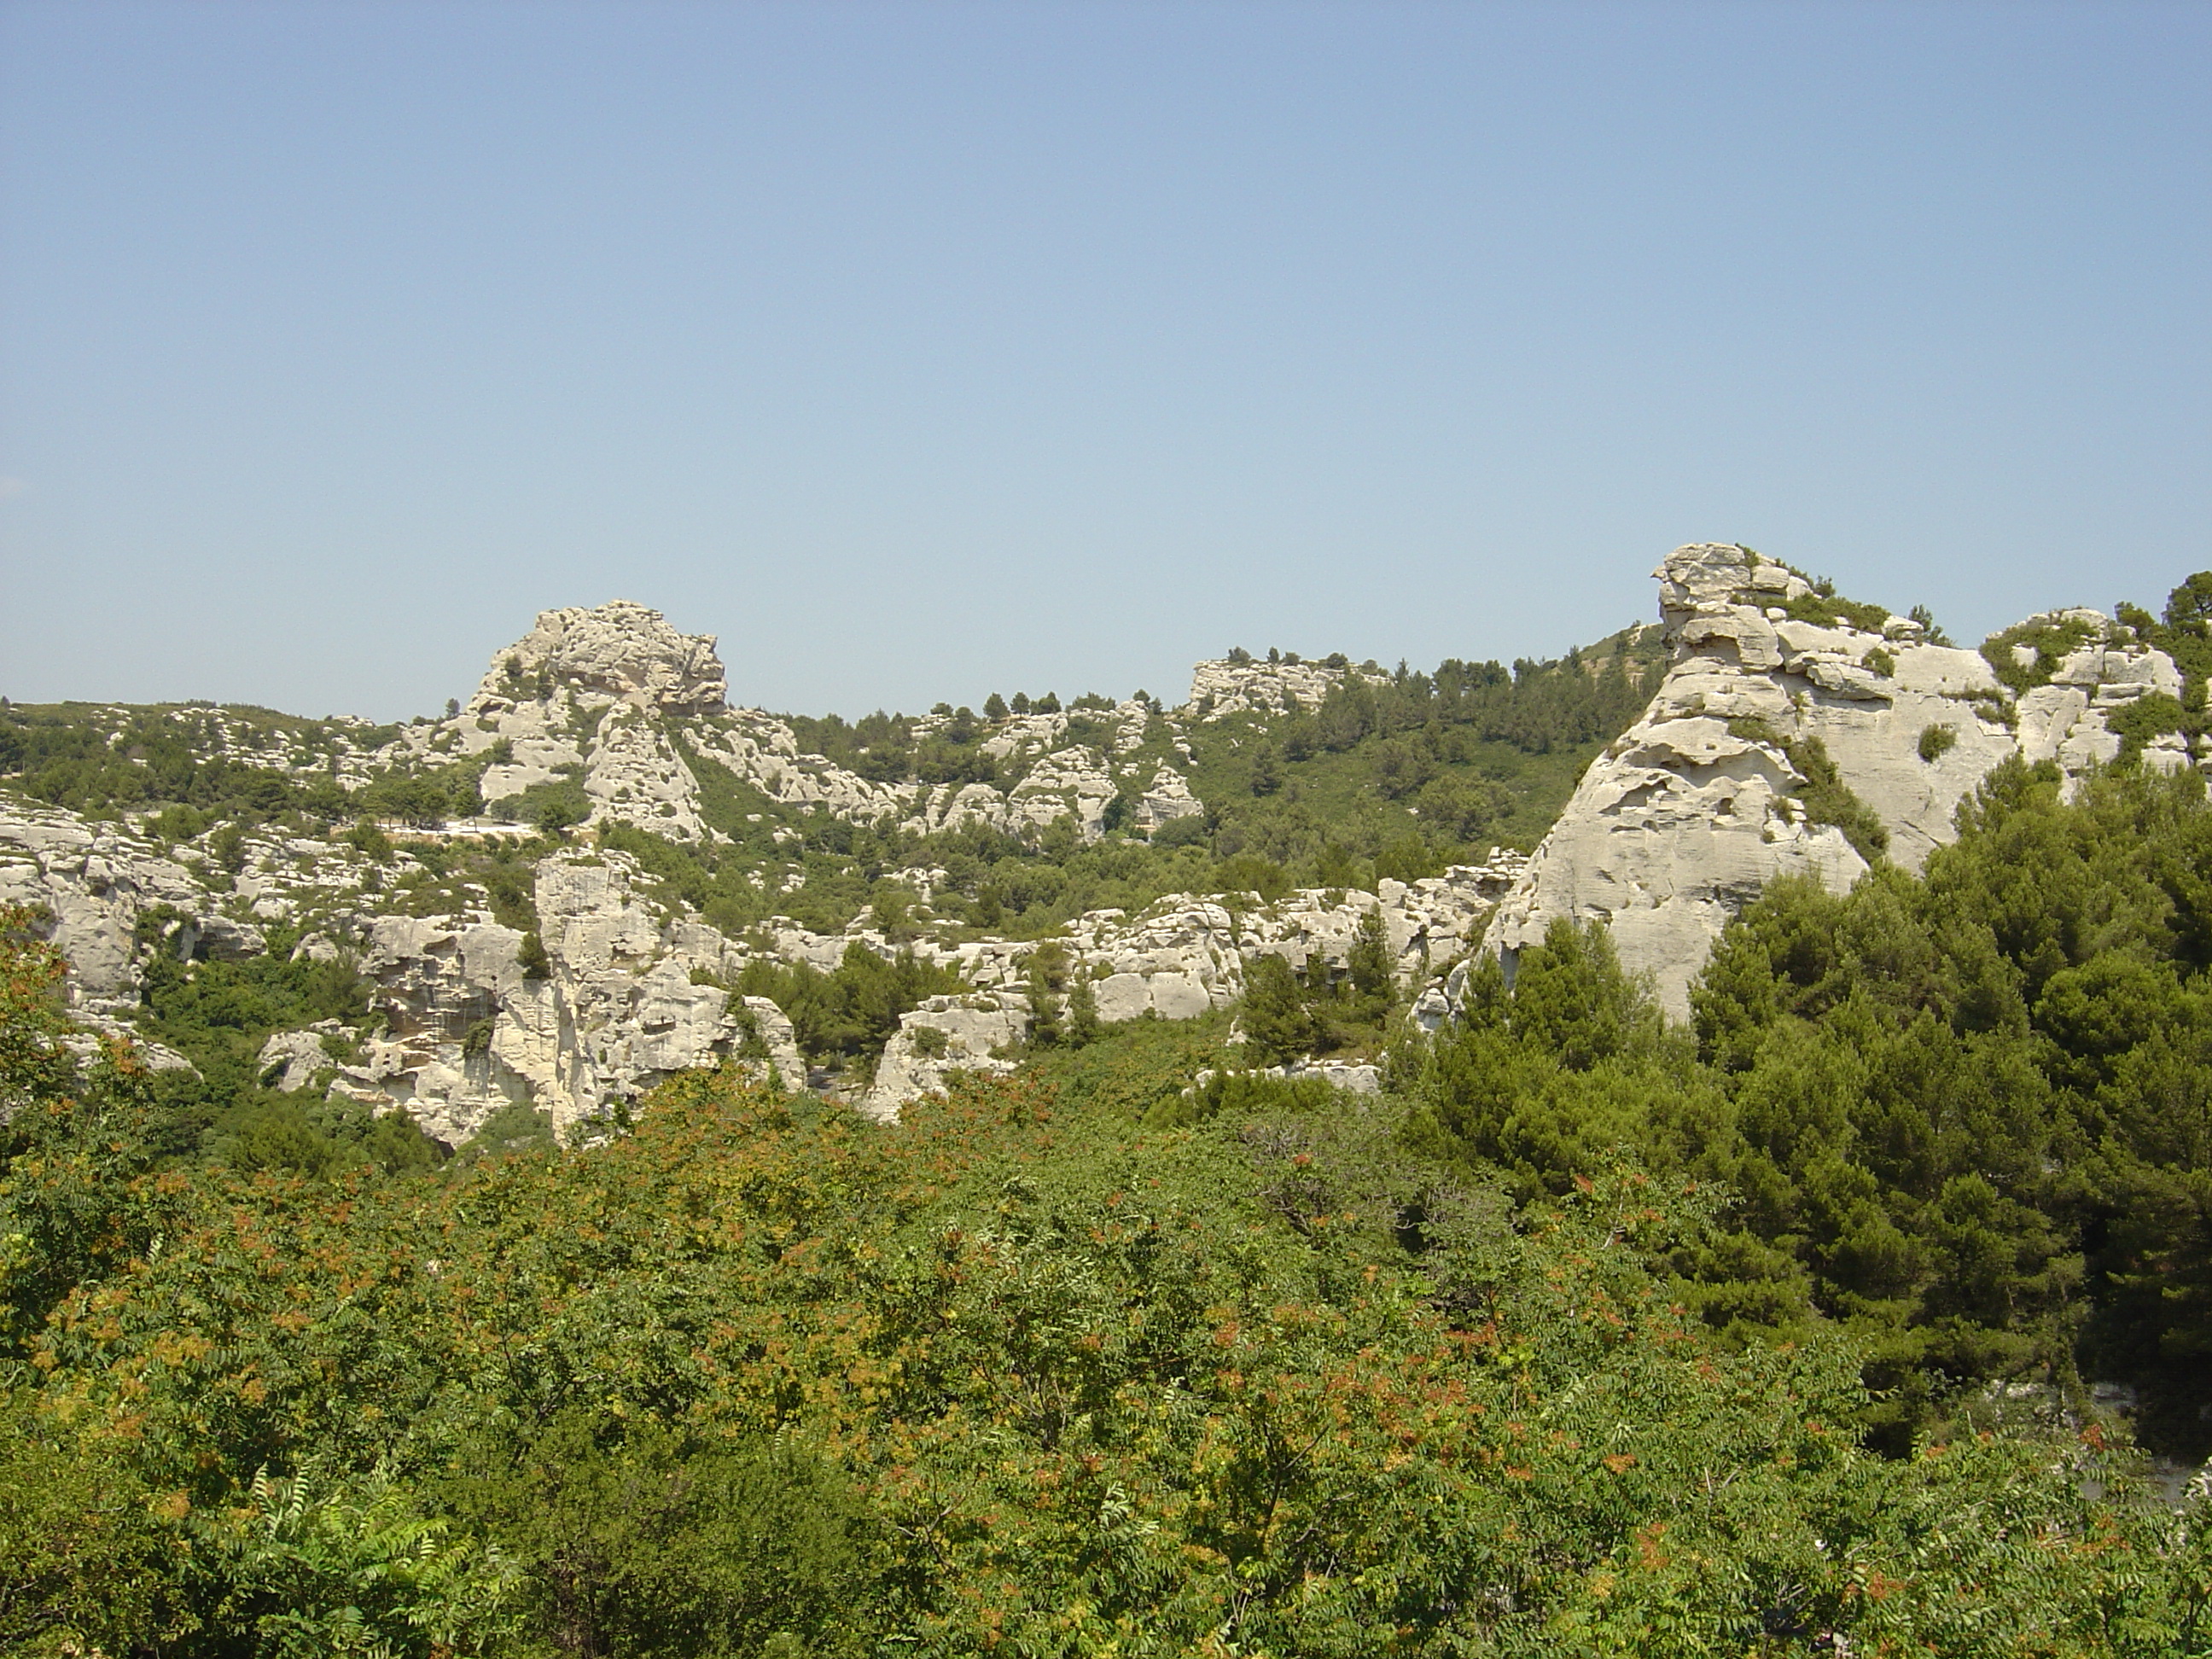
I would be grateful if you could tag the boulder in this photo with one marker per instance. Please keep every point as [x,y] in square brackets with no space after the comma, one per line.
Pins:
[944,1036]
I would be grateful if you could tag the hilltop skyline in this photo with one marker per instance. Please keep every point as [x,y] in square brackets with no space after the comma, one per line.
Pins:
[1068,347]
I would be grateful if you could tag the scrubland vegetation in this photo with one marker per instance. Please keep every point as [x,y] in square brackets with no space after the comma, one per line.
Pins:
[1772,1334]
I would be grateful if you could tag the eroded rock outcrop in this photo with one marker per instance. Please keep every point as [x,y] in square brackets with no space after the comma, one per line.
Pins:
[620,651]
[619,705]
[461,1027]
[1230,685]
[1688,816]
[944,1036]
[96,880]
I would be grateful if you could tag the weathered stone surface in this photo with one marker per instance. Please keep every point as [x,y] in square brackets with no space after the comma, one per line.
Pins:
[1684,820]
[1025,734]
[1185,956]
[95,880]
[1167,798]
[1186,953]
[1222,687]
[617,699]
[964,1031]
[632,997]
[1688,815]
[635,776]
[301,1054]
[620,651]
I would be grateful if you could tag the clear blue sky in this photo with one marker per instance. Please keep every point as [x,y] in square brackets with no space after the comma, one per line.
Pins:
[923,350]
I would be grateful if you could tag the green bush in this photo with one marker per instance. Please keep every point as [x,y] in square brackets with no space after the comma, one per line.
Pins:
[537,961]
[2151,715]
[1278,1025]
[1826,610]
[1828,799]
[1937,741]
[650,1545]
[2050,641]
[852,1011]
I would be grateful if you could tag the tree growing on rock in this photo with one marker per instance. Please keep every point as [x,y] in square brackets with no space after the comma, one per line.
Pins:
[1368,962]
[1047,977]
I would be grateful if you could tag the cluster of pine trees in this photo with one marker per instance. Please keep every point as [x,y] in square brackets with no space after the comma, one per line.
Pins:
[1965,1116]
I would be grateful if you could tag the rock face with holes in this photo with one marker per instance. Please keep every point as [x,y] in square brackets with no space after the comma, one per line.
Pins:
[1689,814]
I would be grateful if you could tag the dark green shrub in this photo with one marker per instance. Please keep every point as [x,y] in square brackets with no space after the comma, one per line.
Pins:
[1828,799]
[532,953]
[1278,1025]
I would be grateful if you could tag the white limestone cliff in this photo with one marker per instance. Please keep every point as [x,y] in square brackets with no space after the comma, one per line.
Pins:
[1687,816]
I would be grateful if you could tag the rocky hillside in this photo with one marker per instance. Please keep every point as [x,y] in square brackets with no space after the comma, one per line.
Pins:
[596,872]
[556,895]
[1799,734]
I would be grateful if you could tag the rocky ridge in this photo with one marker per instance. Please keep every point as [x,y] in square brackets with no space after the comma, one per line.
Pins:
[617,701]
[1676,826]
[633,714]
[1687,816]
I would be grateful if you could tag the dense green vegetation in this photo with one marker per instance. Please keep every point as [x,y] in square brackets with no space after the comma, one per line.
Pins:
[1967,1116]
[1013,1377]
[1770,1336]
[850,1012]
[1417,770]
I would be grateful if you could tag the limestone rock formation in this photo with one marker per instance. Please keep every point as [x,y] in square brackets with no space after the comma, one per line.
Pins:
[1227,686]
[458,1027]
[1167,798]
[632,996]
[1688,815]
[96,880]
[615,714]
[619,652]
[618,701]
[944,1036]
